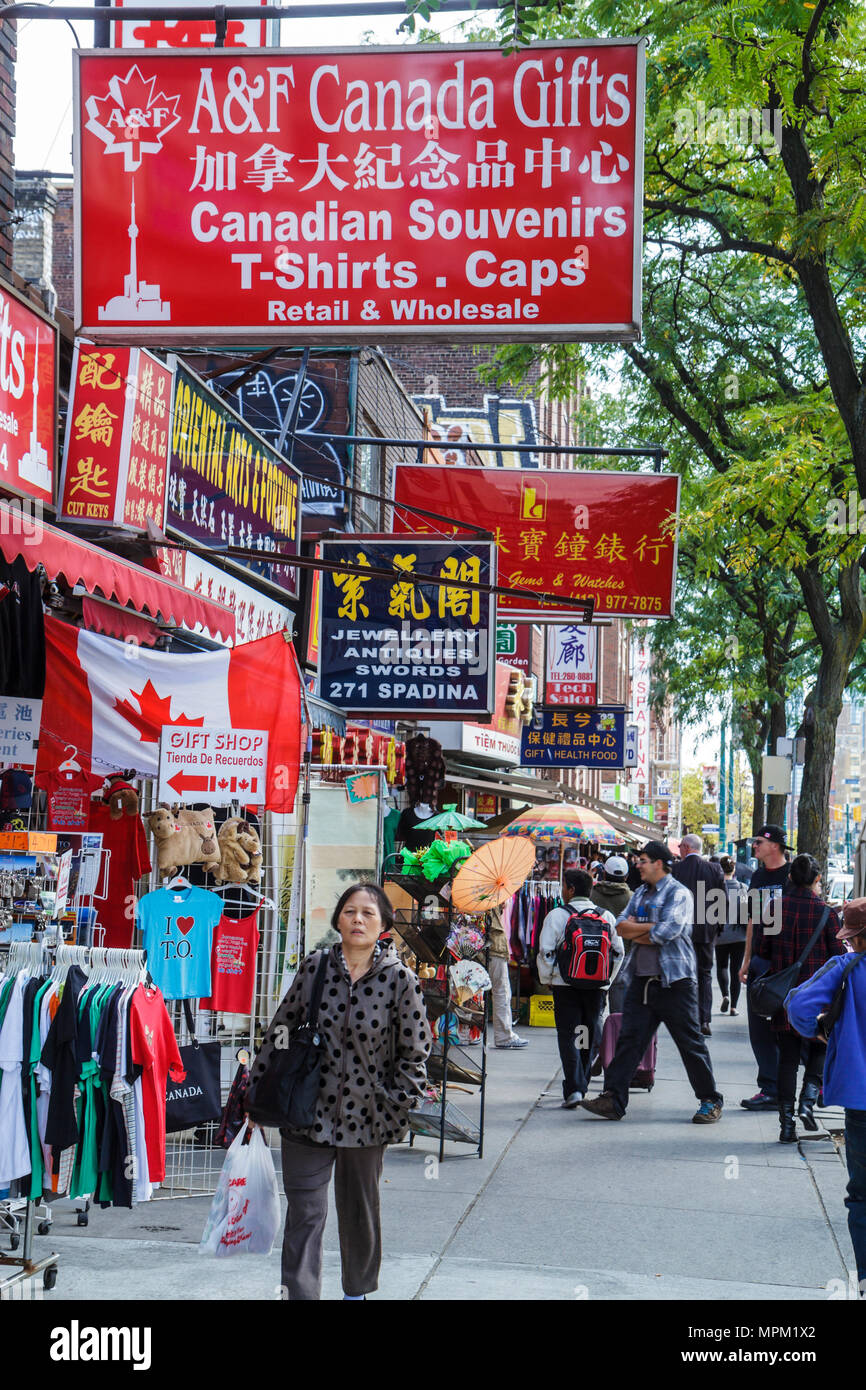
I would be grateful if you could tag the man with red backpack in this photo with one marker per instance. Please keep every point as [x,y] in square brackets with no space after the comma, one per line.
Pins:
[579,953]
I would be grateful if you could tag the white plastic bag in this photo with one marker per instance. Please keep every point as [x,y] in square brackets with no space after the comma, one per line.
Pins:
[245,1212]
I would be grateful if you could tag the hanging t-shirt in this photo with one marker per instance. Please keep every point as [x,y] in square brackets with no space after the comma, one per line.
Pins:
[177,926]
[154,1049]
[22,630]
[14,1133]
[128,861]
[233,965]
[68,797]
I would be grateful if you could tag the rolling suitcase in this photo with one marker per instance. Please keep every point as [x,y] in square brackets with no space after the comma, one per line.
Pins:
[645,1075]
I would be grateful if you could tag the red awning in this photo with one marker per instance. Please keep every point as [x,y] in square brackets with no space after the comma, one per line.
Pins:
[118,622]
[100,572]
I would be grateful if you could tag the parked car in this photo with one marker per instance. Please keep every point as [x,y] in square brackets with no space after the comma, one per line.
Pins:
[840,887]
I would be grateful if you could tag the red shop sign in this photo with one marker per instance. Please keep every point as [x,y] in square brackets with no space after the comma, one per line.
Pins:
[449,191]
[598,535]
[28,399]
[186,33]
[115,453]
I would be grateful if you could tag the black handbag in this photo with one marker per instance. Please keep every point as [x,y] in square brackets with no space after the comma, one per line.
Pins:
[285,1094]
[197,1099]
[768,993]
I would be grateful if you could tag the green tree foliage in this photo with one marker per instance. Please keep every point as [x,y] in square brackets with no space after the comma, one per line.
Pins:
[754,339]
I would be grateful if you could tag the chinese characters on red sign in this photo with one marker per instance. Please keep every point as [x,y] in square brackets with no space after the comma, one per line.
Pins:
[451,192]
[28,400]
[186,33]
[606,536]
[115,454]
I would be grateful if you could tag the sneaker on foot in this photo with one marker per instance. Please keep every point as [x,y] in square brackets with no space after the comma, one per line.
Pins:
[706,1030]
[760,1101]
[733,1013]
[603,1106]
[707,1113]
[726,1004]
[513,1043]
[573,1101]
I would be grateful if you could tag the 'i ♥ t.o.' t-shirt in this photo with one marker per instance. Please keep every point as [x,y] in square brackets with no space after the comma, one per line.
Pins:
[177,926]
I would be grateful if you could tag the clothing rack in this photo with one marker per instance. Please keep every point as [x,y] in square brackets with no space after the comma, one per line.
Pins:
[100,963]
[542,888]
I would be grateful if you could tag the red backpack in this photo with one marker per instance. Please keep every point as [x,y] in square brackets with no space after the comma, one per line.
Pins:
[583,955]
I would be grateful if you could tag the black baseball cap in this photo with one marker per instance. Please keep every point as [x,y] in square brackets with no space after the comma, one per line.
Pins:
[771,832]
[654,849]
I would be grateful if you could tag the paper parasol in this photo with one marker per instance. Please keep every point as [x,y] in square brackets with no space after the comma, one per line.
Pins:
[492,874]
[451,819]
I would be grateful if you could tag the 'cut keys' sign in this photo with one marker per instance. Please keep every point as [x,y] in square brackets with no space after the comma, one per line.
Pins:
[448,191]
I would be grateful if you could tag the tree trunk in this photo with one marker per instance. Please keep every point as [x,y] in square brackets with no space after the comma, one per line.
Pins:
[839,639]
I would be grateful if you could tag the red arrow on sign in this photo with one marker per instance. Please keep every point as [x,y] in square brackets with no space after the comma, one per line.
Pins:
[180,782]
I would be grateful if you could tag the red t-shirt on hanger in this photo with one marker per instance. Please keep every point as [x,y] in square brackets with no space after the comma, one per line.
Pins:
[68,797]
[154,1049]
[129,860]
[233,964]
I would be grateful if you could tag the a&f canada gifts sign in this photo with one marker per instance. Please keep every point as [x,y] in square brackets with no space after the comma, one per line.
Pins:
[227,486]
[448,191]
[399,644]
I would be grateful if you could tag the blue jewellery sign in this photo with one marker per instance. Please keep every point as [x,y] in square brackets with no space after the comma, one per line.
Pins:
[588,737]
[403,645]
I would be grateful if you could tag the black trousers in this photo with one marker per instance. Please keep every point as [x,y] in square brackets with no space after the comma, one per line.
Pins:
[575,1009]
[764,1041]
[647,1004]
[307,1170]
[790,1053]
[729,958]
[704,952]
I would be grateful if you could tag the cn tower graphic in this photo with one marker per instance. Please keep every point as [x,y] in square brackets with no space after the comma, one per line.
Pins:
[139,300]
[33,466]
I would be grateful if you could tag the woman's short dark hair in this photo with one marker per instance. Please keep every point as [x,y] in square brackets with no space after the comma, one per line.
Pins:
[804,870]
[379,896]
[727,863]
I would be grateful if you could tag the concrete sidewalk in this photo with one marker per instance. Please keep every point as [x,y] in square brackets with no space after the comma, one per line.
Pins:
[561,1206]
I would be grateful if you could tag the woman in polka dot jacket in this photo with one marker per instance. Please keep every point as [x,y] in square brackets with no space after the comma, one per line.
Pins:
[376,1041]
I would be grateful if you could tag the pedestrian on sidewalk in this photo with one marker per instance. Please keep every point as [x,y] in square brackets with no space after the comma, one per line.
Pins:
[730,944]
[376,1041]
[845,1066]
[613,894]
[576,1009]
[661,977]
[504,1035]
[803,909]
[767,883]
[702,878]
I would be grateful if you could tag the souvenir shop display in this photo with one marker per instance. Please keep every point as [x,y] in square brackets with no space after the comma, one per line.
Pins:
[177,924]
[430,937]
[195,1099]
[126,859]
[437,860]
[184,836]
[87,1047]
[240,852]
[233,964]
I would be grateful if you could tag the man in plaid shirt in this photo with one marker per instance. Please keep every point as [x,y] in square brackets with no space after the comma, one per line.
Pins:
[661,987]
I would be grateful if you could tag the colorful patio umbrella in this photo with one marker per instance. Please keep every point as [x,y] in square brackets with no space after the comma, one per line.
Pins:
[554,823]
[492,874]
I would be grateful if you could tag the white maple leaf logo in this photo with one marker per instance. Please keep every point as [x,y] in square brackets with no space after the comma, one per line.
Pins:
[132,119]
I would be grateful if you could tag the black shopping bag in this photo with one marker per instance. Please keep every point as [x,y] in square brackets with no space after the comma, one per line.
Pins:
[197,1099]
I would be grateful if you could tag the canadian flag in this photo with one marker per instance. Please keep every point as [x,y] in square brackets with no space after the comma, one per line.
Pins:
[110,699]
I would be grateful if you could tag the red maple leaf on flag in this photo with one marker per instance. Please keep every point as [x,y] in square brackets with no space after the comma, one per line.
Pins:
[153,711]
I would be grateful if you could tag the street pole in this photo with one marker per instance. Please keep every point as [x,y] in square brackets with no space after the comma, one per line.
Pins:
[731,756]
[723,817]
